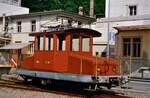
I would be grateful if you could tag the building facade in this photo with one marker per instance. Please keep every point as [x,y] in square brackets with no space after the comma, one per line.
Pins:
[132,44]
[12,7]
[121,13]
[124,8]
[19,26]
[11,2]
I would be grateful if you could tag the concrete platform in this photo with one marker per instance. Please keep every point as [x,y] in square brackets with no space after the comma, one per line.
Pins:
[135,89]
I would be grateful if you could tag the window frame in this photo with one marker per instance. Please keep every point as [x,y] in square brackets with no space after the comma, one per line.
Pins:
[19,26]
[33,25]
[138,55]
[128,44]
[132,10]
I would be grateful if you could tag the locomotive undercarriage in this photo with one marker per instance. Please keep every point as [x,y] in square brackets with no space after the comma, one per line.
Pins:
[88,82]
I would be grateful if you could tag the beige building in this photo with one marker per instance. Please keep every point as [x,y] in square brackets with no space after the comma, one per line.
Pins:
[133,45]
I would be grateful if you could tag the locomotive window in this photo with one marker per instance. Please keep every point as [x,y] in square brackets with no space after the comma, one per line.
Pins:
[41,43]
[75,43]
[38,43]
[49,44]
[85,44]
[61,43]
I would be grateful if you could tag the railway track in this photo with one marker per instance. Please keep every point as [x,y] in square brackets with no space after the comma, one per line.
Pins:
[60,91]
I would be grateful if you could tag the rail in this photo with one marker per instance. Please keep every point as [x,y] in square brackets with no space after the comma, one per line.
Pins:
[61,91]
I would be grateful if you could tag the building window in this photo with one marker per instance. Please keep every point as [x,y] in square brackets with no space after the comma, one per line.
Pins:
[132,47]
[17,41]
[6,27]
[19,26]
[126,47]
[132,10]
[136,47]
[33,26]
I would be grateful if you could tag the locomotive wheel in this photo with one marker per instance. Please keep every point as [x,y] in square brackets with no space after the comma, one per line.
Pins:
[109,85]
[46,82]
[25,78]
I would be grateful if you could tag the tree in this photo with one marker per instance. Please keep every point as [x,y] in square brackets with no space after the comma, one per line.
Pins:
[67,5]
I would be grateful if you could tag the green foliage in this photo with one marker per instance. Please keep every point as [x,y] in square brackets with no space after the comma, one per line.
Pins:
[67,5]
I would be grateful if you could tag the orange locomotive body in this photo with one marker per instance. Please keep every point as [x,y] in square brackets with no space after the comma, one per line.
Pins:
[61,55]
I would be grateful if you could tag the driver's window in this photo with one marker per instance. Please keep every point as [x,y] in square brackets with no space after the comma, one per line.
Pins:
[75,42]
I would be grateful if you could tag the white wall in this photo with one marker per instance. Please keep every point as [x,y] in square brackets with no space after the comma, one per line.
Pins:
[11,2]
[12,10]
[26,26]
[120,7]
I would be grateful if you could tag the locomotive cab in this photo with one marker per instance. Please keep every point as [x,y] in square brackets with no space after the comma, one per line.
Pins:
[72,40]
[67,55]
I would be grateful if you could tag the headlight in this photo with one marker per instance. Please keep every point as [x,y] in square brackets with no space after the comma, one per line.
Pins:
[115,69]
[98,69]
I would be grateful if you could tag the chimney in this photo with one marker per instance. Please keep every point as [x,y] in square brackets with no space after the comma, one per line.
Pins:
[91,8]
[19,2]
[81,11]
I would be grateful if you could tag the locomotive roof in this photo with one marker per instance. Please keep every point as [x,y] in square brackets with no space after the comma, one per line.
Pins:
[71,30]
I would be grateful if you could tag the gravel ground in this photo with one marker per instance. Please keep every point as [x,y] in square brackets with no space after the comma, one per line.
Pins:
[17,93]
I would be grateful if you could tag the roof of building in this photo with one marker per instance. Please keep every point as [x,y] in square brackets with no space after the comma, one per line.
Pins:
[125,18]
[59,13]
[131,28]
[15,46]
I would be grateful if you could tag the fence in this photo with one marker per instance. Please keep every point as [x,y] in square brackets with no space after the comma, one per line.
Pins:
[135,67]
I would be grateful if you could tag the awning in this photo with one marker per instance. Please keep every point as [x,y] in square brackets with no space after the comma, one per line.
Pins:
[15,46]
[134,27]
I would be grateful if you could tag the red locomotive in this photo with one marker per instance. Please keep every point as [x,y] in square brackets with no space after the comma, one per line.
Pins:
[67,55]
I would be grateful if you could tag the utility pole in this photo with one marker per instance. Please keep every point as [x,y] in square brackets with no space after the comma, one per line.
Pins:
[91,8]
[108,30]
